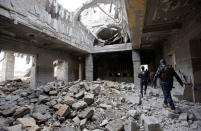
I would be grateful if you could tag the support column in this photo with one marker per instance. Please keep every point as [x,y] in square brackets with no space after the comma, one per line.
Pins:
[80,71]
[8,66]
[42,70]
[136,66]
[89,67]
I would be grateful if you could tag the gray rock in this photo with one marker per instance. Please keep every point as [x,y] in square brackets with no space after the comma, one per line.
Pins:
[29,123]
[89,98]
[63,111]
[9,111]
[183,117]
[43,99]
[79,95]
[96,89]
[15,128]
[87,113]
[69,128]
[41,117]
[197,114]
[170,114]
[20,112]
[131,126]
[76,120]
[79,105]
[53,92]
[115,125]
[151,123]
[104,122]
[83,123]
[133,113]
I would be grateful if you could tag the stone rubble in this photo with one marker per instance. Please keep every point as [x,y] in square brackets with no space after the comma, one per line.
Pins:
[92,106]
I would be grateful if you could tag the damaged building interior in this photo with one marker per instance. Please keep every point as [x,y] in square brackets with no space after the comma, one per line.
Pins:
[66,69]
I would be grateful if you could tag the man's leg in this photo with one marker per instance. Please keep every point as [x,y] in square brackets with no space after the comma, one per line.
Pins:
[169,99]
[145,89]
[165,94]
[141,90]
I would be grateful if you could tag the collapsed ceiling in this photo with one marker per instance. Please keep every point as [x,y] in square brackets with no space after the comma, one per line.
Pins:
[106,22]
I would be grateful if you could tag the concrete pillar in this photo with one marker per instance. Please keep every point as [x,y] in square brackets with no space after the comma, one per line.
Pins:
[80,71]
[8,66]
[42,70]
[136,66]
[89,67]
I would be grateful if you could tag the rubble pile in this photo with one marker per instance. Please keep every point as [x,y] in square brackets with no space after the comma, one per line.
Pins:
[13,85]
[92,106]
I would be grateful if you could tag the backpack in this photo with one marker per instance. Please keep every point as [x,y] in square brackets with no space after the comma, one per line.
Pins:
[167,73]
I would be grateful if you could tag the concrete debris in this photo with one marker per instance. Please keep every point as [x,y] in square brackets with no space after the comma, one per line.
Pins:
[92,106]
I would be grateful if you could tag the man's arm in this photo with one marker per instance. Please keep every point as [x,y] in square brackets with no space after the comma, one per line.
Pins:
[156,75]
[178,78]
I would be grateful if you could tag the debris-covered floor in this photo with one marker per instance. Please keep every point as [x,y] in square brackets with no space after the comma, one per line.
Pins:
[91,106]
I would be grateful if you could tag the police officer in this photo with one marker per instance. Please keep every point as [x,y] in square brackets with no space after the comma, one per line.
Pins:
[143,75]
[166,74]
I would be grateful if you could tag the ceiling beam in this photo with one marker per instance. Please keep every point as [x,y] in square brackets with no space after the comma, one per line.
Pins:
[162,27]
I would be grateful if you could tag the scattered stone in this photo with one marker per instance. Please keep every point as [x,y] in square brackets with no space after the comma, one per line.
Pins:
[89,98]
[197,114]
[87,114]
[43,99]
[76,120]
[63,111]
[69,100]
[104,122]
[28,123]
[183,117]
[96,89]
[79,105]
[79,95]
[20,112]
[53,92]
[105,106]
[133,113]
[170,114]
[68,128]
[151,123]
[83,123]
[41,117]
[15,128]
[115,125]
[9,111]
[131,126]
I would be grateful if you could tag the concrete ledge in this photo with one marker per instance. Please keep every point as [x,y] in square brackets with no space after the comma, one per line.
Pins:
[112,48]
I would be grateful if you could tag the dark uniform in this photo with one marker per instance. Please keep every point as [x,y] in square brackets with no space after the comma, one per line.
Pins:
[166,73]
[143,75]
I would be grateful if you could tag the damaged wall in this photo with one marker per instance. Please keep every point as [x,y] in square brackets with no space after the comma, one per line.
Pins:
[177,52]
[50,18]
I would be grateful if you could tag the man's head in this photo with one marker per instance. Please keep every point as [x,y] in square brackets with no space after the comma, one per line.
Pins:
[142,68]
[162,62]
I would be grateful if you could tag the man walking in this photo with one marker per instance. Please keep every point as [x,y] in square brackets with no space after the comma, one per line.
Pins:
[166,74]
[143,75]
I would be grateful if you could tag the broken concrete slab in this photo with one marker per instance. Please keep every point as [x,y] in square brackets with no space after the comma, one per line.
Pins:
[28,123]
[15,128]
[79,105]
[20,112]
[115,125]
[69,100]
[151,123]
[63,111]
[89,98]
[87,113]
[131,126]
